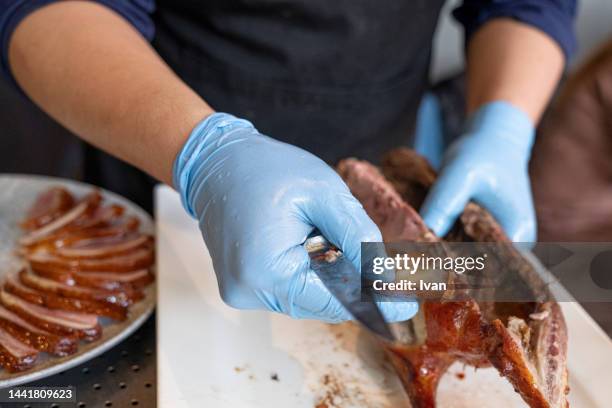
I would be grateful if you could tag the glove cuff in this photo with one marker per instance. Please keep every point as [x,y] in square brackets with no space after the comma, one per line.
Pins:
[203,140]
[505,121]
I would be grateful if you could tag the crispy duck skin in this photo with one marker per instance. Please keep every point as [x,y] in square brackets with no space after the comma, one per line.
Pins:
[121,298]
[52,301]
[48,206]
[94,220]
[15,355]
[139,258]
[71,263]
[36,337]
[103,247]
[114,227]
[14,365]
[60,322]
[111,281]
[477,334]
[81,211]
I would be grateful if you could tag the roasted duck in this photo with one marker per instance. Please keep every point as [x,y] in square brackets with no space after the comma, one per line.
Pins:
[525,341]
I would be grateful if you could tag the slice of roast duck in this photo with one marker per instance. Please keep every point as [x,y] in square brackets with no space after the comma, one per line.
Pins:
[129,282]
[122,298]
[108,225]
[14,285]
[48,206]
[74,216]
[104,247]
[36,337]
[15,355]
[138,258]
[526,342]
[60,322]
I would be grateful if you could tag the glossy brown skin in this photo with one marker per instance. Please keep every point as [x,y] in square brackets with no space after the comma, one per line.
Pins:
[104,247]
[86,280]
[52,301]
[140,258]
[453,333]
[48,206]
[455,328]
[96,216]
[122,298]
[40,340]
[90,334]
[73,218]
[12,364]
[104,228]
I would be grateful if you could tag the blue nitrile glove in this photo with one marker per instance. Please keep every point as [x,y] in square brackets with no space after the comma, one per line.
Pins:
[488,165]
[257,199]
[429,132]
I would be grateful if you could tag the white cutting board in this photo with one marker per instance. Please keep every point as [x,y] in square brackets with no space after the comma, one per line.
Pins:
[210,355]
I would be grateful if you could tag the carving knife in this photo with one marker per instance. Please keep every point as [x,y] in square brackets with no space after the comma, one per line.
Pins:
[343,280]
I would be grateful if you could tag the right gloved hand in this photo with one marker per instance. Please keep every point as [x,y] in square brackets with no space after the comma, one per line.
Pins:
[256,200]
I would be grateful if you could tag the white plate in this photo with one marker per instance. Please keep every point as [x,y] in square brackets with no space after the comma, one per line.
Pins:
[210,355]
[17,193]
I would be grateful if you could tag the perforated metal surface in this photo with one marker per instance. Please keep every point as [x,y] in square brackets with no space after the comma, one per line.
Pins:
[123,377]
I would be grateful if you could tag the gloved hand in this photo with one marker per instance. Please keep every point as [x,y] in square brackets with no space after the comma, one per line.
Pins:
[488,165]
[257,199]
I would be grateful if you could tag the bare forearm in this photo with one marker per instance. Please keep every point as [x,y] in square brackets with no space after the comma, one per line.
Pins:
[513,62]
[92,72]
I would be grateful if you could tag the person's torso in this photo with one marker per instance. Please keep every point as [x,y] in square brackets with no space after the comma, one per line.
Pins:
[338,78]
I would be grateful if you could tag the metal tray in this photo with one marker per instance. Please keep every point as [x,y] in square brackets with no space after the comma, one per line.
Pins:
[17,193]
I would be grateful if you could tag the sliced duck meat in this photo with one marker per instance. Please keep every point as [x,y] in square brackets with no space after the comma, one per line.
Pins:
[140,258]
[66,237]
[36,337]
[49,206]
[122,298]
[98,217]
[84,260]
[104,247]
[15,355]
[60,322]
[53,301]
[112,281]
[79,211]
[55,225]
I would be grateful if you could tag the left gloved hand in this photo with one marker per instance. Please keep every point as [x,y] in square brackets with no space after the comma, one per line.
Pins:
[489,165]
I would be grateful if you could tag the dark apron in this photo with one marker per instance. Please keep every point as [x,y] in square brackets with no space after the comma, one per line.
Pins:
[338,78]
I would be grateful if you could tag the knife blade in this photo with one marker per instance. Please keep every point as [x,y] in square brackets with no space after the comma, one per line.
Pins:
[343,280]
